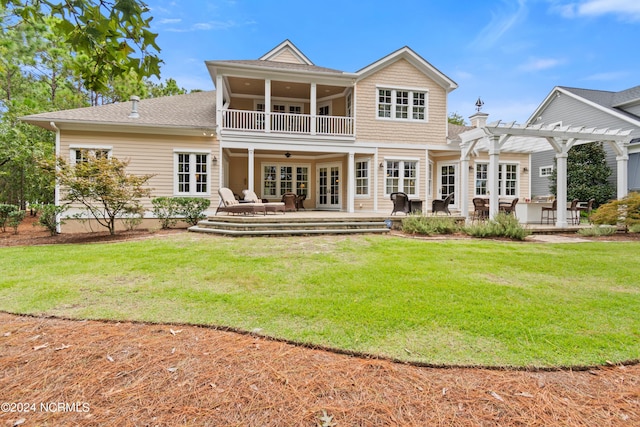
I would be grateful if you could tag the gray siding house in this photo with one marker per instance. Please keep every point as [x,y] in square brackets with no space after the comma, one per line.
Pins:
[589,108]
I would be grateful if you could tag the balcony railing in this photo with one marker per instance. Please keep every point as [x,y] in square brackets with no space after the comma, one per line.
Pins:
[304,124]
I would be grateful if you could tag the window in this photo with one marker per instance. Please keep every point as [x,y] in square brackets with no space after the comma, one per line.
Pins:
[546,171]
[280,179]
[362,178]
[192,173]
[507,179]
[402,176]
[402,104]
[79,155]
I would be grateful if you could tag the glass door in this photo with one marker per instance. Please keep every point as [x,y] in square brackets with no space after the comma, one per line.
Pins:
[328,188]
[447,179]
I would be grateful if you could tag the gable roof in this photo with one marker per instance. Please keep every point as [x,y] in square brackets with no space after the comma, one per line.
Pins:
[414,59]
[196,110]
[606,101]
[286,47]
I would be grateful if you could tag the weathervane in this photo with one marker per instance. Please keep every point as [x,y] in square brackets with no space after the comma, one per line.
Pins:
[479,104]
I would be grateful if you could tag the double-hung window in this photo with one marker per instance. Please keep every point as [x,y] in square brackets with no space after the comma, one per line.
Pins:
[401,176]
[278,179]
[362,178]
[507,179]
[191,173]
[402,104]
[83,154]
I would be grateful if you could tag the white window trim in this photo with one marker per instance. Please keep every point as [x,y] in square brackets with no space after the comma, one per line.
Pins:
[294,179]
[411,90]
[543,175]
[325,104]
[192,183]
[401,178]
[89,147]
[501,182]
[286,104]
[355,179]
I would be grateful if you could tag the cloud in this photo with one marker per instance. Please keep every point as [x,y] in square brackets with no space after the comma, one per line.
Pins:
[610,76]
[626,10]
[210,26]
[537,64]
[169,21]
[501,22]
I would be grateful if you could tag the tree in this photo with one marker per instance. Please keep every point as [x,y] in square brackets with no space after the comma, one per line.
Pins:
[587,174]
[103,187]
[113,34]
[456,119]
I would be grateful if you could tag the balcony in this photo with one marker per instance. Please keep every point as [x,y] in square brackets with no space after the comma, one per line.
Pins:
[298,124]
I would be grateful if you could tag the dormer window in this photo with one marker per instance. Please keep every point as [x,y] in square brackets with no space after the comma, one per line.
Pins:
[402,104]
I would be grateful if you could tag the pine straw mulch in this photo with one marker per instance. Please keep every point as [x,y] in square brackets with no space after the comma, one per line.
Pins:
[93,373]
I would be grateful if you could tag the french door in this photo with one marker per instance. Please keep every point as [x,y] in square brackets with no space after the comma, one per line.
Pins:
[328,186]
[447,181]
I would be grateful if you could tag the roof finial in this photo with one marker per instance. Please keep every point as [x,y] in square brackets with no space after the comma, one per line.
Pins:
[479,104]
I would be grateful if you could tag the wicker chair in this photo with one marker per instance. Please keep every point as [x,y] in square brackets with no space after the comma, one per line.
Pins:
[480,209]
[509,208]
[400,203]
[586,207]
[550,211]
[289,200]
[441,205]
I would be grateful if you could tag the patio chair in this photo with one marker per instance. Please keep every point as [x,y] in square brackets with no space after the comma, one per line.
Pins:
[480,209]
[550,211]
[509,209]
[573,212]
[441,205]
[251,197]
[229,204]
[289,200]
[586,207]
[300,198]
[400,203]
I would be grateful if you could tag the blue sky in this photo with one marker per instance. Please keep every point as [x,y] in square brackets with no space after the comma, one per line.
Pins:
[511,53]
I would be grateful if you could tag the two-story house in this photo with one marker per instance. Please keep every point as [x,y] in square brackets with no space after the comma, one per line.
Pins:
[277,124]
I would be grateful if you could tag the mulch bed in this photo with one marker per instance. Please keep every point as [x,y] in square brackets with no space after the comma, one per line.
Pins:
[57,372]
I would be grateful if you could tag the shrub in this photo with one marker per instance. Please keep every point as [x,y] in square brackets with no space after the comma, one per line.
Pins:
[49,217]
[132,216]
[5,211]
[635,228]
[192,208]
[15,218]
[418,224]
[625,211]
[166,209]
[598,230]
[502,225]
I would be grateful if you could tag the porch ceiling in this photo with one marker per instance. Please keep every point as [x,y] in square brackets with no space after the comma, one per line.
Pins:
[280,89]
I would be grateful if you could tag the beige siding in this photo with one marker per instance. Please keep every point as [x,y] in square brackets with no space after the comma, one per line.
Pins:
[404,75]
[384,201]
[147,154]
[286,56]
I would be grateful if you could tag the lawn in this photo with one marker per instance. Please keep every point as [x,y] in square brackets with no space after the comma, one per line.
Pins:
[456,302]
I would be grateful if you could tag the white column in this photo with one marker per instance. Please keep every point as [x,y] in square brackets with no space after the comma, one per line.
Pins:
[267,105]
[623,175]
[351,184]
[313,107]
[219,101]
[561,186]
[494,162]
[464,177]
[374,185]
[250,165]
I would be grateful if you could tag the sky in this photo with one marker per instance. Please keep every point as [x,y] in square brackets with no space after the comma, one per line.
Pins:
[510,53]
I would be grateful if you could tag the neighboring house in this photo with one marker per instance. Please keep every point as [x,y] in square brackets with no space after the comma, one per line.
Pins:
[346,140]
[596,108]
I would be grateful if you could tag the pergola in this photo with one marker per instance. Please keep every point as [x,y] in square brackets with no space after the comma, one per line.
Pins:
[499,137]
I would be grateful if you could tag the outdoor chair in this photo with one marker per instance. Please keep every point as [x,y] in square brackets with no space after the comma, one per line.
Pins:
[509,209]
[400,203]
[229,204]
[480,209]
[289,200]
[586,207]
[441,205]
[300,198]
[573,212]
[251,197]
[550,211]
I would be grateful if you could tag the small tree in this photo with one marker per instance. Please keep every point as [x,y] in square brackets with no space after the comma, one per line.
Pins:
[625,211]
[103,187]
[587,174]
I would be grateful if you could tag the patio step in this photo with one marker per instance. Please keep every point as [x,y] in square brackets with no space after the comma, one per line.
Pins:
[281,225]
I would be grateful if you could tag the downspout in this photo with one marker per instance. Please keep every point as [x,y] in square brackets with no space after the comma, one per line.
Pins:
[56,193]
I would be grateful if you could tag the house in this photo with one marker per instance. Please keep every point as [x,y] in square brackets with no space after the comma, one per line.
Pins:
[597,108]
[280,123]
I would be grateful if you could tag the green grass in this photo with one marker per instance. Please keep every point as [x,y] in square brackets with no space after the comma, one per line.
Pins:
[464,302]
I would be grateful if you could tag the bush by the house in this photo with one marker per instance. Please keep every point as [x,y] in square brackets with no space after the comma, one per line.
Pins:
[418,224]
[502,225]
[625,211]
[15,218]
[170,209]
[5,213]
[132,216]
[49,217]
[598,230]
